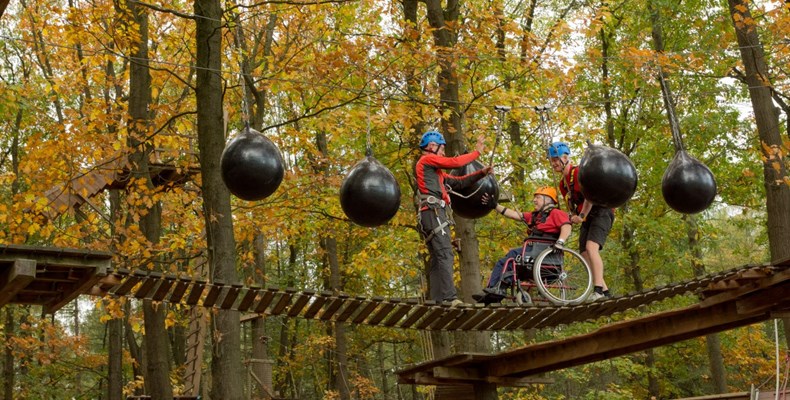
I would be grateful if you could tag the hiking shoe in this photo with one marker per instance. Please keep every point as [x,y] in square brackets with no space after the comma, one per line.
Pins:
[457,302]
[479,297]
[594,296]
[495,291]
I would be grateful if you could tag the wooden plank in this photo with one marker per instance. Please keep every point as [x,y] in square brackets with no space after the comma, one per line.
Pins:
[44,256]
[18,275]
[213,293]
[318,302]
[467,313]
[332,307]
[447,318]
[266,299]
[147,284]
[164,288]
[367,309]
[400,311]
[195,292]
[477,318]
[282,302]
[495,317]
[417,312]
[301,301]
[382,311]
[230,297]
[350,307]
[124,288]
[249,296]
[555,317]
[178,291]
[512,316]
[525,321]
[431,316]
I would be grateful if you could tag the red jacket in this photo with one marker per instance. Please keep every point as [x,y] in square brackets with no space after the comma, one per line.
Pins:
[431,178]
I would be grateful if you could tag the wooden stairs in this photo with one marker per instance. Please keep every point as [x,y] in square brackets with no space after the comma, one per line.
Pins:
[113,173]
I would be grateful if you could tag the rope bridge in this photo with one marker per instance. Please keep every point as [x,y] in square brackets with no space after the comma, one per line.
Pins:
[52,277]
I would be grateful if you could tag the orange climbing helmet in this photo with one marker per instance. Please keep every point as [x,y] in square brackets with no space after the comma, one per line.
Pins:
[548,191]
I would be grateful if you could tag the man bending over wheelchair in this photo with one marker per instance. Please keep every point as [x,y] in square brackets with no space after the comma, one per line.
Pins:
[547,226]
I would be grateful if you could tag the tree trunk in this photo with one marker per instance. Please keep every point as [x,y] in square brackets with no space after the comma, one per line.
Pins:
[226,368]
[115,359]
[766,117]
[157,371]
[338,361]
[8,362]
[138,366]
[261,365]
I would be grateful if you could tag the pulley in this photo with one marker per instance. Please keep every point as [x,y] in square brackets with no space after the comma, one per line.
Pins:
[608,177]
[252,166]
[370,194]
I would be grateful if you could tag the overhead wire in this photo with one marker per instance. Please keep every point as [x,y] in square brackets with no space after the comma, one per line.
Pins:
[478,57]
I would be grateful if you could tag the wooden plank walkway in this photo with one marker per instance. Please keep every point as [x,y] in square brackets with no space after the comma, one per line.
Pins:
[405,313]
[62,274]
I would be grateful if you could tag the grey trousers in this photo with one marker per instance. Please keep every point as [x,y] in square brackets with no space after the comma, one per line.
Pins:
[440,248]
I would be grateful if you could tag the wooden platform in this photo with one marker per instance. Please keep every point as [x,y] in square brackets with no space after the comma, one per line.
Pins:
[48,276]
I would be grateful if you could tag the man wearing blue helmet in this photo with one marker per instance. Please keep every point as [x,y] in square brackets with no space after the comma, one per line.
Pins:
[434,206]
[596,222]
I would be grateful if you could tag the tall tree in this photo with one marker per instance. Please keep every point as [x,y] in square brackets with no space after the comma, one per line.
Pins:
[776,180]
[226,368]
[157,372]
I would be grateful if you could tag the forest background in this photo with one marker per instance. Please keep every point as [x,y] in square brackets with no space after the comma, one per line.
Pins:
[87,81]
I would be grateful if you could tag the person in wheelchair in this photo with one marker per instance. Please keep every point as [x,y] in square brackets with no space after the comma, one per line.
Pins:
[547,225]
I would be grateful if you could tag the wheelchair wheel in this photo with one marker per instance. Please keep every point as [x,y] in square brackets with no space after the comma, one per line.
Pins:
[522,297]
[562,276]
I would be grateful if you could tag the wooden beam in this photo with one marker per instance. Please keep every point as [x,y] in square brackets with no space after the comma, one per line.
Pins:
[620,339]
[88,280]
[15,278]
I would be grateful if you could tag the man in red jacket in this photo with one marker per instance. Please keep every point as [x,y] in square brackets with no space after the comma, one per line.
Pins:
[434,205]
[596,221]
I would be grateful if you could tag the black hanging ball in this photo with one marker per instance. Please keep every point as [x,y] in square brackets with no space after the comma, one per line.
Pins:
[252,166]
[370,195]
[469,203]
[608,177]
[688,185]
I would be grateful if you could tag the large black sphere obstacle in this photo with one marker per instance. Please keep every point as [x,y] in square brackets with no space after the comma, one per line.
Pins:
[688,185]
[608,177]
[252,166]
[468,203]
[370,194]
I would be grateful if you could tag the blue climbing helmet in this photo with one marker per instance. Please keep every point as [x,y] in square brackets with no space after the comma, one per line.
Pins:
[557,149]
[431,137]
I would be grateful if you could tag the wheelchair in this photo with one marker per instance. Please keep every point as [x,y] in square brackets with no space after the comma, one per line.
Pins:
[561,276]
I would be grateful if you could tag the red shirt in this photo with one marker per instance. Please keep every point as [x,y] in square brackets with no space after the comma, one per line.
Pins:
[538,222]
